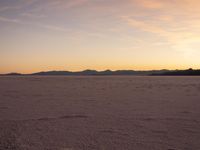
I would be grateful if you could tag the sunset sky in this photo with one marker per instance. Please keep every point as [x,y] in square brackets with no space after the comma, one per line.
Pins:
[41,35]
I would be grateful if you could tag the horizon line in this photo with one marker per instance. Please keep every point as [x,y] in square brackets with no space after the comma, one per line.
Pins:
[14,72]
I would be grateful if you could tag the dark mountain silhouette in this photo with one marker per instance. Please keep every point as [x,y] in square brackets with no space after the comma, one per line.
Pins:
[188,72]
[92,72]
[13,74]
[106,72]
[53,73]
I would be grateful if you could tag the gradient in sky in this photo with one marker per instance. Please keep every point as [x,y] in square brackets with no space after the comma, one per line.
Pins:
[75,35]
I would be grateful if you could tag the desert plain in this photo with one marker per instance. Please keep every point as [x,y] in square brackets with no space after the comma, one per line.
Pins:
[99,113]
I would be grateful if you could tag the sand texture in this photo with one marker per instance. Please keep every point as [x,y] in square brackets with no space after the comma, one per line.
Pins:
[99,113]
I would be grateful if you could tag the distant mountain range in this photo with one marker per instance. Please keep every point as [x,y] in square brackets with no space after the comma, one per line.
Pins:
[189,72]
[163,72]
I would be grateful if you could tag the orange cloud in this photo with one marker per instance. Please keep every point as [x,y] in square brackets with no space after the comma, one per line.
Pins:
[145,26]
[150,4]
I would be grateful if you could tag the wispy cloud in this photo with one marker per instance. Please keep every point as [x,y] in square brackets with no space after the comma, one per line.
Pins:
[150,4]
[144,25]
[67,4]
[76,3]
[175,34]
[17,5]
[74,34]
[3,19]
[49,27]
[32,15]
[6,8]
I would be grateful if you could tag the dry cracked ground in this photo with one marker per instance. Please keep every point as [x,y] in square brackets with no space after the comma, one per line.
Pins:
[99,113]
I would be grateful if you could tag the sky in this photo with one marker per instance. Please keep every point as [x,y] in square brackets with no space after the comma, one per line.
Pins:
[42,35]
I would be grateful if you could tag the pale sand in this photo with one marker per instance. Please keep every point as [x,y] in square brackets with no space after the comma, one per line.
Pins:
[100,113]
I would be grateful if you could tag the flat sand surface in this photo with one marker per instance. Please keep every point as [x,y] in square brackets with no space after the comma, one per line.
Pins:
[100,113]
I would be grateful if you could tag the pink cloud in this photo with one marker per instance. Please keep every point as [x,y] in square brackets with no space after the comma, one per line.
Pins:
[150,4]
